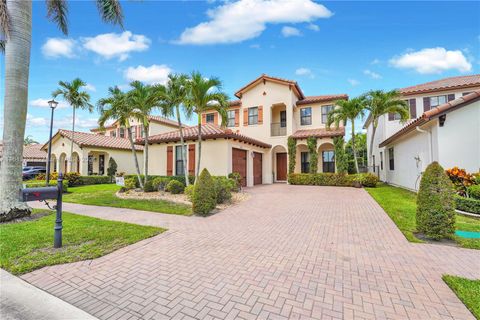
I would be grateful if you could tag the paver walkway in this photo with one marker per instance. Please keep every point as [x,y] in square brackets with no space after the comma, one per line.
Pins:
[288,252]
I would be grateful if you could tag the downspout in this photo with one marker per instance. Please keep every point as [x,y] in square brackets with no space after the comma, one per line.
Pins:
[430,152]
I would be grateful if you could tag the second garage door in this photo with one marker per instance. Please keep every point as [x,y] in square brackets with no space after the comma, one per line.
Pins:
[257,168]
[239,164]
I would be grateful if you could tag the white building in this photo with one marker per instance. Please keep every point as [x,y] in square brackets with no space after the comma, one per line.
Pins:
[444,127]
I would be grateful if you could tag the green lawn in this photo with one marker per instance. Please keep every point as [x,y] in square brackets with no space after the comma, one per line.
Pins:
[28,245]
[467,290]
[104,195]
[400,205]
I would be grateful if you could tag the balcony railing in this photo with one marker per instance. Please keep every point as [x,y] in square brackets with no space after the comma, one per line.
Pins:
[278,129]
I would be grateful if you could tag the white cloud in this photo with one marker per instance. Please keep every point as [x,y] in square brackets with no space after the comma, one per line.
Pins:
[432,60]
[353,82]
[304,72]
[43,103]
[80,123]
[36,121]
[116,45]
[375,61]
[313,27]
[290,32]
[153,74]
[90,87]
[237,21]
[372,74]
[255,46]
[57,47]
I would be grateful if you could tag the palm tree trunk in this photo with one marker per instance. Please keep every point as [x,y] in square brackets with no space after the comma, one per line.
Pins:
[182,143]
[353,146]
[73,137]
[199,145]
[17,62]
[374,129]
[145,155]
[137,167]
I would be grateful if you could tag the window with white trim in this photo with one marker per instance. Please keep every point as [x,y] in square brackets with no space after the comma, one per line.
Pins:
[306,116]
[325,111]
[253,115]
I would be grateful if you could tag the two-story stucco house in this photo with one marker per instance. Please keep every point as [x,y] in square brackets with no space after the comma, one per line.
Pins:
[254,140]
[444,126]
[92,151]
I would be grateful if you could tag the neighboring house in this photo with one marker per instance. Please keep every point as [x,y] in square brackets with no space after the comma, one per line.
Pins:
[157,125]
[254,141]
[443,127]
[91,153]
[33,155]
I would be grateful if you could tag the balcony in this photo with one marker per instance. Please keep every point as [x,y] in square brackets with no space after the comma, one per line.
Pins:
[278,129]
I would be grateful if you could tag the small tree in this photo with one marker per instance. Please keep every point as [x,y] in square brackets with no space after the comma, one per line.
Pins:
[204,197]
[292,153]
[436,204]
[112,168]
[312,150]
[341,160]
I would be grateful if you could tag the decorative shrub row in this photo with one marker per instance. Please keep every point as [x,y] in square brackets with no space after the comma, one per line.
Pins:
[333,179]
[467,204]
[41,183]
[474,191]
[181,179]
[74,179]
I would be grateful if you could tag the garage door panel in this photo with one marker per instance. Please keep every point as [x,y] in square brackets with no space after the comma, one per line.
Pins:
[257,168]
[239,164]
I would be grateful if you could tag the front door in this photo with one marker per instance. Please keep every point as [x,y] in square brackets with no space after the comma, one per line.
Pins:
[239,164]
[282,166]
[257,168]
[101,164]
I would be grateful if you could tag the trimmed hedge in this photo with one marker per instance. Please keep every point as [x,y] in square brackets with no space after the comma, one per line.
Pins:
[191,179]
[332,179]
[467,204]
[474,191]
[204,197]
[175,187]
[41,183]
[75,180]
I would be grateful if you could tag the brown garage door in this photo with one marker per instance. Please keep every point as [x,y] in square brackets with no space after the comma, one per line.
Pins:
[257,168]
[239,164]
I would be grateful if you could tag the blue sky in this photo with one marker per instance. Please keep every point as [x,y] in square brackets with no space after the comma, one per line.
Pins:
[328,47]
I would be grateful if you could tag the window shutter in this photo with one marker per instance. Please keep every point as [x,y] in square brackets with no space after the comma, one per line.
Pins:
[450,97]
[204,118]
[426,104]
[169,160]
[215,118]
[245,117]
[391,116]
[260,114]
[413,108]
[118,132]
[191,159]
[237,117]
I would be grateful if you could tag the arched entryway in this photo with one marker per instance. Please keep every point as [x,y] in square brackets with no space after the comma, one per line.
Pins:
[326,157]
[63,163]
[53,163]
[75,166]
[280,163]
[302,159]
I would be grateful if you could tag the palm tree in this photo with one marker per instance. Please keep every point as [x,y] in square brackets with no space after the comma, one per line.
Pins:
[172,96]
[16,30]
[29,140]
[205,94]
[117,107]
[144,99]
[347,110]
[379,103]
[70,92]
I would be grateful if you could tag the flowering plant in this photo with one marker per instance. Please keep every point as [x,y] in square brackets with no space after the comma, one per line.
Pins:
[461,179]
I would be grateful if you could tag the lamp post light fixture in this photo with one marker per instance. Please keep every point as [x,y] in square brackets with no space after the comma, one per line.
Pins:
[52,104]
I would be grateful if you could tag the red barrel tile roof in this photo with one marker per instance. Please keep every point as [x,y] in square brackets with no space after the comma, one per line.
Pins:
[319,133]
[324,98]
[444,84]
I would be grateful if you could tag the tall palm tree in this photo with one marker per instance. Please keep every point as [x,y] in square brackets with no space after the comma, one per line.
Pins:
[205,94]
[172,97]
[347,110]
[70,92]
[379,103]
[16,30]
[117,107]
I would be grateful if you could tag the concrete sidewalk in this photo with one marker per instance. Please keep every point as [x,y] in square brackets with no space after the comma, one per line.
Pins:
[20,300]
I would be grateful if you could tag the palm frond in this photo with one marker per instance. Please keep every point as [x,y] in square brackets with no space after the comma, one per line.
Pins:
[111,11]
[57,11]
[5,23]
[2,46]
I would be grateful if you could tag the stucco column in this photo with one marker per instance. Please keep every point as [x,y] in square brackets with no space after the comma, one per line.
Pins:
[267,170]
[289,119]
[83,164]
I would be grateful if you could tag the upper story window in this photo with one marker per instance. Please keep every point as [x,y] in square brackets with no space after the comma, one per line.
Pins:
[231,118]
[283,119]
[210,118]
[134,132]
[325,111]
[253,115]
[438,100]
[391,159]
[306,116]
[113,133]
[122,132]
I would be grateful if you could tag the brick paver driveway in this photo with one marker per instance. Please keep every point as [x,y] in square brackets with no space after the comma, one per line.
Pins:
[288,252]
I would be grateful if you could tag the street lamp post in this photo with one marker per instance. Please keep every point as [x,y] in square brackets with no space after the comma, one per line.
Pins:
[52,104]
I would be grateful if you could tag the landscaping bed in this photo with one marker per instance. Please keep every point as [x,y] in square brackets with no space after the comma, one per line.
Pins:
[27,244]
[400,205]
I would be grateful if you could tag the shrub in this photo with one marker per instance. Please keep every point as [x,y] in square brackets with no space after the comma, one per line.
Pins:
[72,178]
[236,178]
[112,168]
[223,187]
[341,159]
[41,183]
[189,190]
[159,183]
[460,179]
[474,191]
[204,197]
[175,187]
[148,186]
[467,204]
[292,153]
[435,203]
[191,179]
[130,184]
[368,180]
[41,176]
[89,180]
[312,150]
